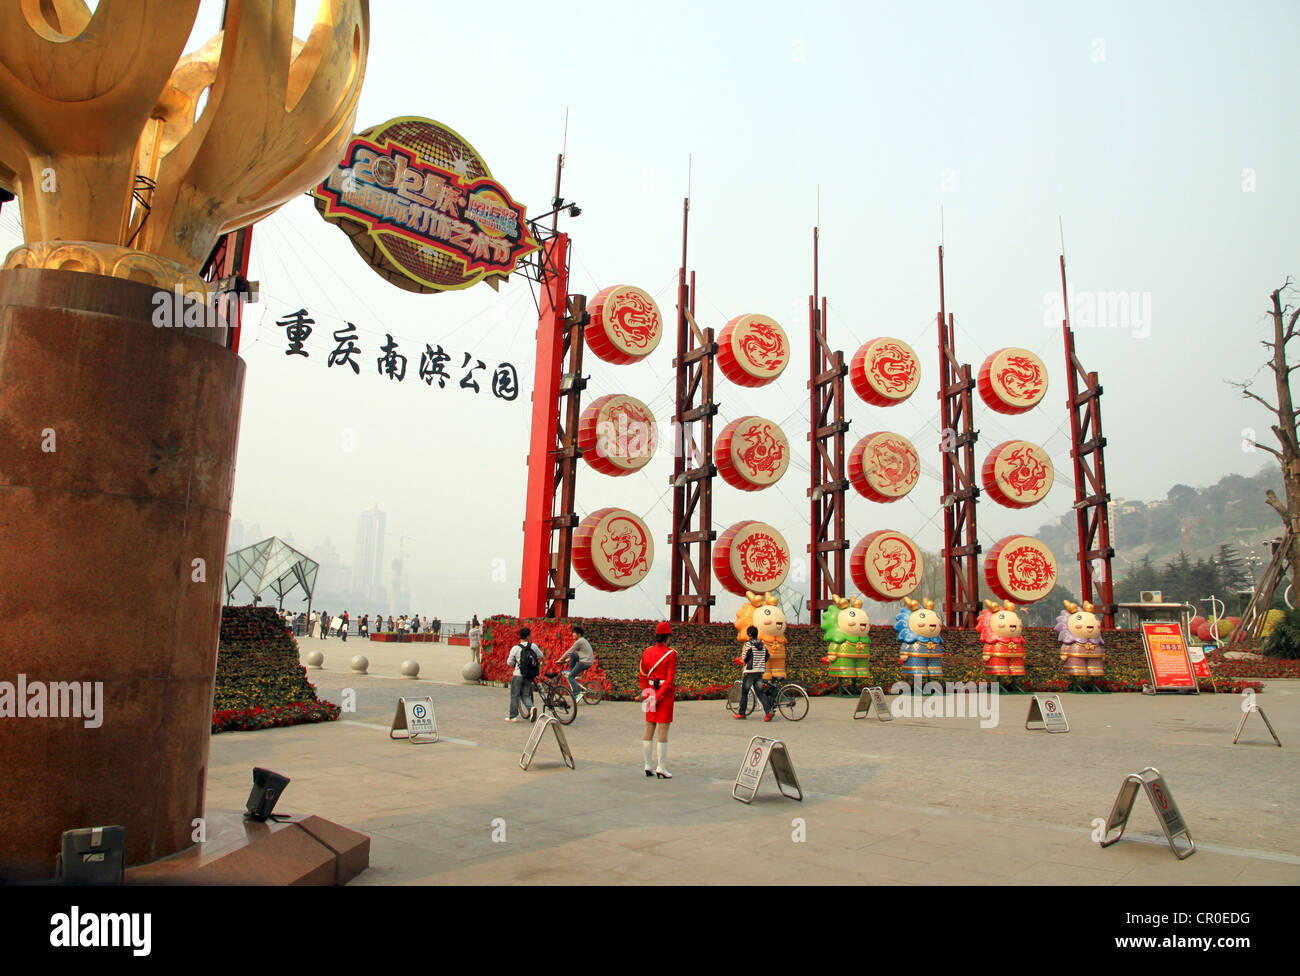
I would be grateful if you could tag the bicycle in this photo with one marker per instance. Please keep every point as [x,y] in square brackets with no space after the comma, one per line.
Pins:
[590,693]
[556,697]
[789,700]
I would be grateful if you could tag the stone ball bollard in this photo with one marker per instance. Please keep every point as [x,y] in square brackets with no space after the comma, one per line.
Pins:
[316,659]
[410,669]
[360,663]
[473,671]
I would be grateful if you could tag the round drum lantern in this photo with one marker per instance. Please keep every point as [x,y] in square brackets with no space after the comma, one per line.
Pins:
[1020,568]
[617,434]
[752,350]
[884,466]
[751,556]
[612,549]
[751,453]
[625,324]
[1017,474]
[885,371]
[886,565]
[1012,381]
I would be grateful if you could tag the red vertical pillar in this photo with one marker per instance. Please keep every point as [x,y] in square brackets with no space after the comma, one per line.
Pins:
[533,580]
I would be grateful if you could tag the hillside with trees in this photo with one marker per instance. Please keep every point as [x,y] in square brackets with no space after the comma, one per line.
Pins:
[1193,543]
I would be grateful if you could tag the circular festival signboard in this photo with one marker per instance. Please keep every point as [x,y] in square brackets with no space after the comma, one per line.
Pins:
[1017,474]
[885,371]
[624,326]
[752,350]
[884,466]
[886,565]
[1012,381]
[612,549]
[617,434]
[1020,568]
[751,556]
[752,453]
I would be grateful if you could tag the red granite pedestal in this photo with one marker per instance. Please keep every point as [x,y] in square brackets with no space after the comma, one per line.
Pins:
[237,851]
[117,453]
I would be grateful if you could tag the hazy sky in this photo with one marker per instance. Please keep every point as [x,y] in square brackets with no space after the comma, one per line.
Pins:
[1164,135]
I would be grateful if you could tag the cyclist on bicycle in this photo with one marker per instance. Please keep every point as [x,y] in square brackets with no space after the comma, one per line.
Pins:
[580,656]
[754,663]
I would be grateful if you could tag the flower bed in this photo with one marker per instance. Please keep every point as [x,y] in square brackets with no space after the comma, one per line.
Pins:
[1269,667]
[706,655]
[259,682]
[249,719]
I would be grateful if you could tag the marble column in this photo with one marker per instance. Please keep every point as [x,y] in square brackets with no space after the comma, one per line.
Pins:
[117,453]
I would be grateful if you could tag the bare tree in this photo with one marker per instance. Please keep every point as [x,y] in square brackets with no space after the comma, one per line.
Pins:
[1284,318]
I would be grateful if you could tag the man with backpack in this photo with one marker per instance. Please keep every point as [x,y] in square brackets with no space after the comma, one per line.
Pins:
[527,660]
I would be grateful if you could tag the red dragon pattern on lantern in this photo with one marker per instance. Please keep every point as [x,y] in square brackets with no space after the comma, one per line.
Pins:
[885,371]
[763,558]
[1020,568]
[752,350]
[635,321]
[612,549]
[617,434]
[893,366]
[625,324]
[1012,381]
[763,346]
[751,555]
[1028,569]
[884,467]
[886,565]
[752,453]
[1028,472]
[763,454]
[624,546]
[1017,474]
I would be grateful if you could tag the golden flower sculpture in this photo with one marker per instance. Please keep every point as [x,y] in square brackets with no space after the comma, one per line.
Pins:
[99,139]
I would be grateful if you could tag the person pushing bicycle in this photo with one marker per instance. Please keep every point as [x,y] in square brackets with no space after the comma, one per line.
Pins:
[754,663]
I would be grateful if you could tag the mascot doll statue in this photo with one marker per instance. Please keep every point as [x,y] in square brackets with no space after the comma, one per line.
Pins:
[1001,631]
[762,612]
[1079,631]
[920,648]
[845,627]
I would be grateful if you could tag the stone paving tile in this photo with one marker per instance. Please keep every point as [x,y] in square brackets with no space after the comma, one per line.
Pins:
[913,801]
[1049,872]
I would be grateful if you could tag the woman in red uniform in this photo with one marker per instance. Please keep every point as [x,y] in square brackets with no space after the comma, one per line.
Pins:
[658,667]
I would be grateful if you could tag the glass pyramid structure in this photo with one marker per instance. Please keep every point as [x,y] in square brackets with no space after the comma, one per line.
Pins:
[271,564]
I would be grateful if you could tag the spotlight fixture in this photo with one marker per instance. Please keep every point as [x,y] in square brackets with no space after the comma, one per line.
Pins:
[267,787]
[557,203]
[575,210]
[92,856]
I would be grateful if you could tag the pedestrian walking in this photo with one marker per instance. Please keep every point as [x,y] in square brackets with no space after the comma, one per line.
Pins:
[658,668]
[527,659]
[343,627]
[753,663]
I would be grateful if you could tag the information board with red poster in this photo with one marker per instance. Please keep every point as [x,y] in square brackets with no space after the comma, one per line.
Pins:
[1167,657]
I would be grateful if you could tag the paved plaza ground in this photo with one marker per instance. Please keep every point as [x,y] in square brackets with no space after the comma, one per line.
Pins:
[915,801]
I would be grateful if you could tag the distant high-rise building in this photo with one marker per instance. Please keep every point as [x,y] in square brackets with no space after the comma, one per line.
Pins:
[368,565]
[235,540]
